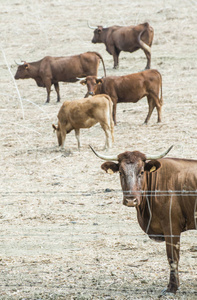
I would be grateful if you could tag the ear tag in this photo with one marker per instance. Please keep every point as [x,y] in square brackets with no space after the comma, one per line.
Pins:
[152,169]
[109,171]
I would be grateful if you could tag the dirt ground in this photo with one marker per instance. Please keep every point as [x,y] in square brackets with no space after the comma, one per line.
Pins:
[64,231]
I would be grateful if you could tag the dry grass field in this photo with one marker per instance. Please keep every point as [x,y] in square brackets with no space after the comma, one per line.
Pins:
[64,231]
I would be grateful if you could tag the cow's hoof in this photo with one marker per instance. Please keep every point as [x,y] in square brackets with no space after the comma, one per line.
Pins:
[166,292]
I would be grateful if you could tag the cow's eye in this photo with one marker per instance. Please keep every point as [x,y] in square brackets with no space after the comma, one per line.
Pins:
[141,173]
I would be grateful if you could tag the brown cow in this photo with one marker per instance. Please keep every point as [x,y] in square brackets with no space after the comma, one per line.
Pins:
[130,88]
[51,70]
[85,113]
[164,193]
[125,38]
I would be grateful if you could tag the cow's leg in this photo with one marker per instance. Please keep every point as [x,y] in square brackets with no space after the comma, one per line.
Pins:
[148,56]
[172,249]
[48,87]
[115,53]
[151,106]
[153,101]
[114,111]
[107,131]
[57,88]
[77,134]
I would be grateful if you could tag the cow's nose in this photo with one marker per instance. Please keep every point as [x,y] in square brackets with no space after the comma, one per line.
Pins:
[91,93]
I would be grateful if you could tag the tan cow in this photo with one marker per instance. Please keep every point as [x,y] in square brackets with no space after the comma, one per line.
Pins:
[85,113]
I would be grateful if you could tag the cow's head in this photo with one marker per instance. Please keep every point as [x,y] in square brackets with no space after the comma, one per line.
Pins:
[97,38]
[23,71]
[92,83]
[131,167]
[98,30]
[58,132]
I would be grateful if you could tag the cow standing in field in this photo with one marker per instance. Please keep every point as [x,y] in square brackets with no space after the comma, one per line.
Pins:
[51,70]
[125,38]
[129,88]
[85,113]
[164,193]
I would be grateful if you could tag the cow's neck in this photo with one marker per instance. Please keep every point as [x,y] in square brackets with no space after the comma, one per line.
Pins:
[104,35]
[144,209]
[35,69]
[143,214]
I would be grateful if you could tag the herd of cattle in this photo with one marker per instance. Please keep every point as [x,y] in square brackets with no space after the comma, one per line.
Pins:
[163,190]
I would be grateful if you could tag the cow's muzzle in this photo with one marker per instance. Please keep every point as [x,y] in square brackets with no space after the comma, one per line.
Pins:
[91,93]
[130,202]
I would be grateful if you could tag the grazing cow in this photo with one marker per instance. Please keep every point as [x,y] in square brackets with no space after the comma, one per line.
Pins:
[51,70]
[129,88]
[85,113]
[125,38]
[164,193]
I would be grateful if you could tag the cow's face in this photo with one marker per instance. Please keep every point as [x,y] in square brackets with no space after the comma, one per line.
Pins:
[131,167]
[23,71]
[97,38]
[92,84]
[58,132]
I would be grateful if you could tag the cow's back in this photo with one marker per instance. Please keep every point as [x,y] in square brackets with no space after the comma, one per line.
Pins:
[84,113]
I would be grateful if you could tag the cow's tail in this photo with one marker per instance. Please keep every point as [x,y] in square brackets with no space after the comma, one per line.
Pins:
[161,95]
[99,55]
[111,117]
[142,44]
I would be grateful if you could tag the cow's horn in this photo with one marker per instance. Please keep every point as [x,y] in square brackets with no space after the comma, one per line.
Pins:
[91,27]
[151,157]
[19,64]
[82,78]
[104,157]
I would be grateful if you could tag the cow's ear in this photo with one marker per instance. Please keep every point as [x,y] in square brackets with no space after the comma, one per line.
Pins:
[26,65]
[54,127]
[110,167]
[99,29]
[83,82]
[152,166]
[99,81]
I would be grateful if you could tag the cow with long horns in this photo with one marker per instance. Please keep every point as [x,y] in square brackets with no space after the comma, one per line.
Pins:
[125,38]
[164,193]
[51,70]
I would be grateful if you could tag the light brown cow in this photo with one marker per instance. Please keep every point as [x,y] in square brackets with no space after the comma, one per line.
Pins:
[85,113]
[130,88]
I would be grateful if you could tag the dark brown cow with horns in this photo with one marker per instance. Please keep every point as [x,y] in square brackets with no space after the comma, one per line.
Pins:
[51,70]
[129,88]
[125,38]
[164,193]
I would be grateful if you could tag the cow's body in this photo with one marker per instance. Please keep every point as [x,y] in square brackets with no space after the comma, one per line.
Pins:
[85,113]
[51,70]
[130,88]
[125,38]
[164,192]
